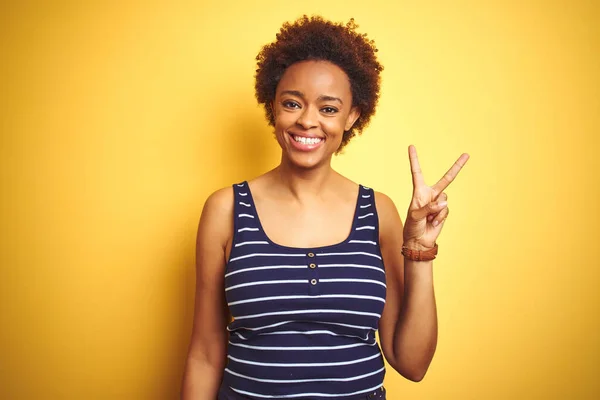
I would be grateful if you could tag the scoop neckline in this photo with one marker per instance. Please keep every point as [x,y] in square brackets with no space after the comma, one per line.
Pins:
[271,242]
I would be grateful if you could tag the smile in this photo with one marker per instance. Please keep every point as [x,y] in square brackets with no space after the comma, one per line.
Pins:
[306,140]
[304,143]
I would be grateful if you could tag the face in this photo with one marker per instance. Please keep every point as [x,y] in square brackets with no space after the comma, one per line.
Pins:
[312,109]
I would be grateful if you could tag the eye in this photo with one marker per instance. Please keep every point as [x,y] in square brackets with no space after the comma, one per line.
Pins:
[290,104]
[329,110]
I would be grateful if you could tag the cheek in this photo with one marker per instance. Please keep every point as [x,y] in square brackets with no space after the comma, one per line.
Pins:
[283,120]
[335,126]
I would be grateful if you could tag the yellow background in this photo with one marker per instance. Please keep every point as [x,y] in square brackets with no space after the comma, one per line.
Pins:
[118,119]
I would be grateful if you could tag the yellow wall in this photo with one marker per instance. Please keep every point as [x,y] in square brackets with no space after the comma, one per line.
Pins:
[118,120]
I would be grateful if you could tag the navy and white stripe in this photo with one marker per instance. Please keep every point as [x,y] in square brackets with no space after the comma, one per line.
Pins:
[304,319]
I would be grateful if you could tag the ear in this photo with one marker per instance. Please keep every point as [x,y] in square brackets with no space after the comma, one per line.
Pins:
[272,104]
[352,117]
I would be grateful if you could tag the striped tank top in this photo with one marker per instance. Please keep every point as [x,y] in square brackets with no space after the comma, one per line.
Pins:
[304,319]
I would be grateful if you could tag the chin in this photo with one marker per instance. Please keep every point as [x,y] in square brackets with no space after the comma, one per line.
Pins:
[306,161]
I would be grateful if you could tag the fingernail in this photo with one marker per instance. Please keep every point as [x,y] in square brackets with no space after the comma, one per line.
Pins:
[435,223]
[443,204]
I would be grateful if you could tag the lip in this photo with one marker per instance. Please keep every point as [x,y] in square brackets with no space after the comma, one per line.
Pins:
[305,147]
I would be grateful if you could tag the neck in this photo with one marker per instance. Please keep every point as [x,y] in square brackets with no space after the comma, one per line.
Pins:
[300,182]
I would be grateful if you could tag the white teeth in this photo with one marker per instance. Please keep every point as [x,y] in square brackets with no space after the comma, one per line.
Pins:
[305,140]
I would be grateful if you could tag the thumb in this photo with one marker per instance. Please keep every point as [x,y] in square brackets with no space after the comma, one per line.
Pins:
[431,208]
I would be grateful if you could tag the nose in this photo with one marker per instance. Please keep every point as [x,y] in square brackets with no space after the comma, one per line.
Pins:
[308,117]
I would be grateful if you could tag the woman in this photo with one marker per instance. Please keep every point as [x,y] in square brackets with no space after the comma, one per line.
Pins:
[308,263]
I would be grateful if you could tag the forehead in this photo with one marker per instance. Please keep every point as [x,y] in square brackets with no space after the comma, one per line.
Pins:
[315,78]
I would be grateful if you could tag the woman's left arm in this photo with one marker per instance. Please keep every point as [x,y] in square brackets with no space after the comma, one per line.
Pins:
[408,327]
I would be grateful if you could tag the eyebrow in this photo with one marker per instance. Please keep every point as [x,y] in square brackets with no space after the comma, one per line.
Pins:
[321,98]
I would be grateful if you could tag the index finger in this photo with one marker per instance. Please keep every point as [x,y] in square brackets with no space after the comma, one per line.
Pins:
[415,168]
[451,174]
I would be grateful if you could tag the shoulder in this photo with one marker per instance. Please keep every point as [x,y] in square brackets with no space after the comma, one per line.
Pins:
[385,205]
[389,218]
[217,215]
[220,201]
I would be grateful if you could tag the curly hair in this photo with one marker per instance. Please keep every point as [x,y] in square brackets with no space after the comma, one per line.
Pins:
[315,38]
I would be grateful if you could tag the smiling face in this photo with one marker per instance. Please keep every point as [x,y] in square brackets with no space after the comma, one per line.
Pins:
[312,109]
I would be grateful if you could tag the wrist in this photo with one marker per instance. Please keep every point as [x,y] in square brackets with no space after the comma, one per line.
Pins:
[414,245]
[419,252]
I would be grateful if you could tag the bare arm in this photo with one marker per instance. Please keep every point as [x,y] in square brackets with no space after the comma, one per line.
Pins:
[408,326]
[207,351]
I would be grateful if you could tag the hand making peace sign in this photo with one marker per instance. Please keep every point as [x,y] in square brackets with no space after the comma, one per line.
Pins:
[429,207]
